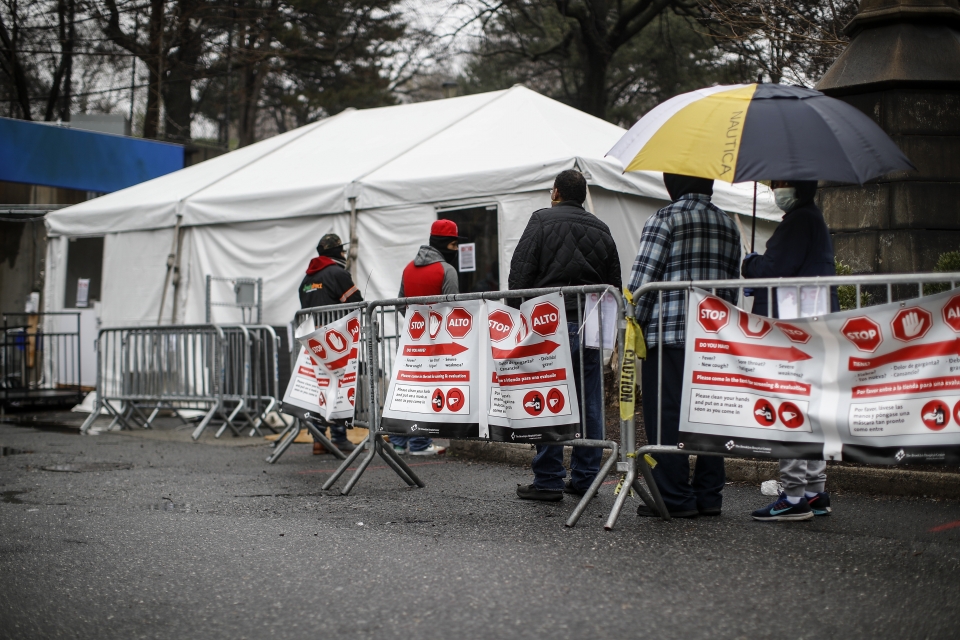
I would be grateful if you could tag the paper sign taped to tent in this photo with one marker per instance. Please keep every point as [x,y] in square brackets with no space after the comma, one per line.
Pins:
[329,356]
[434,385]
[600,316]
[533,397]
[878,385]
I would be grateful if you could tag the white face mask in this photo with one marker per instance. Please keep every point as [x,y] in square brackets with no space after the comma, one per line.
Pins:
[786,198]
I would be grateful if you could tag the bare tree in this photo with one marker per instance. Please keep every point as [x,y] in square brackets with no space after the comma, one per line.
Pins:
[785,40]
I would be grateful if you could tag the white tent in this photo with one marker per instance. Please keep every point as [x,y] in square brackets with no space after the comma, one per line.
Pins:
[259,211]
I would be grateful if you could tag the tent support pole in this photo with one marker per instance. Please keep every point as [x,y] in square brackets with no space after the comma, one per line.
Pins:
[171,260]
[352,262]
[176,277]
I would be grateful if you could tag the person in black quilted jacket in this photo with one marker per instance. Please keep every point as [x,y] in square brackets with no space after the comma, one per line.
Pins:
[566,245]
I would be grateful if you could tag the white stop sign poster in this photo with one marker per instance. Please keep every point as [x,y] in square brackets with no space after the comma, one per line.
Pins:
[533,396]
[879,384]
[324,379]
[435,386]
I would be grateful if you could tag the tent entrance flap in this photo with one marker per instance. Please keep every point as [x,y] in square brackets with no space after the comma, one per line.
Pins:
[480,226]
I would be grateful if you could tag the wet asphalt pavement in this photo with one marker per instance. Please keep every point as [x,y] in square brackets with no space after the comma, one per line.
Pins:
[168,539]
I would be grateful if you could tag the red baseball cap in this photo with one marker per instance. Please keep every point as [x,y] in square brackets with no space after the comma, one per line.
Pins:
[445,228]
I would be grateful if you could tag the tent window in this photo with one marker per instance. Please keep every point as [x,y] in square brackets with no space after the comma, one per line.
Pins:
[84,262]
[479,225]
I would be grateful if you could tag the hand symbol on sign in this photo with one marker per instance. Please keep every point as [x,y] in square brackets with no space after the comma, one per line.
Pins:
[912,324]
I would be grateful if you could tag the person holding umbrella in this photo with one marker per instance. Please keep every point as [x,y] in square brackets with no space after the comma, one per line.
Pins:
[754,132]
[800,246]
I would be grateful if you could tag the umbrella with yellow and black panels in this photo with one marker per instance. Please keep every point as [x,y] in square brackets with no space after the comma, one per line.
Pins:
[751,132]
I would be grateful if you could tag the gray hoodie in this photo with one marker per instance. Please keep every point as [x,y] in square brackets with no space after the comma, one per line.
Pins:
[428,255]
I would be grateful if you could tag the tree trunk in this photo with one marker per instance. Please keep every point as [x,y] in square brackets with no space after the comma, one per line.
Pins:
[151,122]
[12,66]
[182,65]
[593,92]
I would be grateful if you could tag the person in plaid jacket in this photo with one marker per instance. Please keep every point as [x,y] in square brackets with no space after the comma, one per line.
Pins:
[689,239]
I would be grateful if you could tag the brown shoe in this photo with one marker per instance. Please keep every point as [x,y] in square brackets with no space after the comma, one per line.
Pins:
[319,449]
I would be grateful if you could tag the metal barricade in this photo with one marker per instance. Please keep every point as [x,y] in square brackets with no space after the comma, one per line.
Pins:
[248,389]
[382,319]
[142,369]
[315,424]
[40,359]
[866,290]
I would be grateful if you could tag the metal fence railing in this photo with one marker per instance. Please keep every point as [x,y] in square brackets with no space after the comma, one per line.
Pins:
[382,320]
[40,359]
[315,424]
[230,374]
[861,291]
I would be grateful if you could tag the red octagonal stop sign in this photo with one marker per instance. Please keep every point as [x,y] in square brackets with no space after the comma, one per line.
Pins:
[951,313]
[712,314]
[753,326]
[545,319]
[863,332]
[501,324]
[793,332]
[417,325]
[911,323]
[459,322]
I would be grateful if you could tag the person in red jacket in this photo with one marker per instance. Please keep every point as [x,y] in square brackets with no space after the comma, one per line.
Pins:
[431,273]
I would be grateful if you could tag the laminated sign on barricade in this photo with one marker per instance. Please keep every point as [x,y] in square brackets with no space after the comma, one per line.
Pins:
[533,397]
[434,385]
[878,385]
[324,380]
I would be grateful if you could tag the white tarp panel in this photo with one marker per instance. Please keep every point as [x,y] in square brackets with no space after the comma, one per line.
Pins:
[134,267]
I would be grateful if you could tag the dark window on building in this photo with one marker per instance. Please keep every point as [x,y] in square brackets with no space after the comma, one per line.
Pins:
[84,261]
[479,225]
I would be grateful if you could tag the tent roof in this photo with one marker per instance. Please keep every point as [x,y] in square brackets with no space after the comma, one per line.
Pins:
[468,147]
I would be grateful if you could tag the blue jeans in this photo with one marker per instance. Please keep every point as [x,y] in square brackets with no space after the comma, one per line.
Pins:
[672,473]
[416,444]
[548,471]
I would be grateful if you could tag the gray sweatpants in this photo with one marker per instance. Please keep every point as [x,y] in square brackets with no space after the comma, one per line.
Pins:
[798,476]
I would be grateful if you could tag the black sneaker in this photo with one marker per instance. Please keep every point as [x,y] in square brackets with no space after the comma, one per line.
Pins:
[647,512]
[820,504]
[529,492]
[574,491]
[783,510]
[709,511]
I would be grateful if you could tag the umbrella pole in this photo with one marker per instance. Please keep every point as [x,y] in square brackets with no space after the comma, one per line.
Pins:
[753,226]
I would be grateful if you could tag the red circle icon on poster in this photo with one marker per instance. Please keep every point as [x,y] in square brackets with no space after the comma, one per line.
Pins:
[935,415]
[764,413]
[533,403]
[351,396]
[322,399]
[790,415]
[956,413]
[437,401]
[455,399]
[555,400]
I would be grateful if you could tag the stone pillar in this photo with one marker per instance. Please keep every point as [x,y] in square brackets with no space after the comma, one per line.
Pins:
[901,68]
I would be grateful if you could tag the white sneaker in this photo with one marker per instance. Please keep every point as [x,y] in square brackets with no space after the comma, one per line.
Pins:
[432,450]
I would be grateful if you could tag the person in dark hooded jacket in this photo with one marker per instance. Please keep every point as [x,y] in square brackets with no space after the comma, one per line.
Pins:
[800,246]
[327,283]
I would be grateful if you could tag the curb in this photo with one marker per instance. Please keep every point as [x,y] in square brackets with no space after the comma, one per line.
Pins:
[872,481]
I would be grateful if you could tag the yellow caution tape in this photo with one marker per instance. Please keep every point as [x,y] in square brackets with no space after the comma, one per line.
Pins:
[650,460]
[634,347]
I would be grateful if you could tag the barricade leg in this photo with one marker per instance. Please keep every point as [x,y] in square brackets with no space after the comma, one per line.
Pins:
[621,498]
[388,454]
[322,437]
[595,486]
[647,472]
[346,464]
[206,420]
[284,441]
[377,442]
